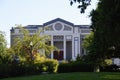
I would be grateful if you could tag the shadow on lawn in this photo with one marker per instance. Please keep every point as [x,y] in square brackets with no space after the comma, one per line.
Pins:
[111,77]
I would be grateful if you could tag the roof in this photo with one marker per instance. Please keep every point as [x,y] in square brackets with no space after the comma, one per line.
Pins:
[58,19]
[83,26]
[32,26]
[53,21]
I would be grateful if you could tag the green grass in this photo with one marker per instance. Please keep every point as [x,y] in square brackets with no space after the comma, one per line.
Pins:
[72,76]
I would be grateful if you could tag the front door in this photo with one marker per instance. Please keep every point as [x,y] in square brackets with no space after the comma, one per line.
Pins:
[58,55]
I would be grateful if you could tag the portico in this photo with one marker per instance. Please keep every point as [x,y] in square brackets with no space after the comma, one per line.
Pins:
[66,37]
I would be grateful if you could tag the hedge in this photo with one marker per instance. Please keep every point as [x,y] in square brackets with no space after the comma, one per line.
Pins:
[75,67]
[22,69]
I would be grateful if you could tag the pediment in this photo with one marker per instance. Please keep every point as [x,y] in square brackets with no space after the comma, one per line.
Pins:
[58,25]
[58,20]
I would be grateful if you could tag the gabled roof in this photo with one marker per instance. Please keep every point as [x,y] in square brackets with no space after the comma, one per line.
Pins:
[58,19]
[83,26]
[32,26]
[53,21]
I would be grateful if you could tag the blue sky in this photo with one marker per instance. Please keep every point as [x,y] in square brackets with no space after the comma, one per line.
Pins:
[30,12]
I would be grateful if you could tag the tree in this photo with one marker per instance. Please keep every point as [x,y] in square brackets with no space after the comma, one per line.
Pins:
[82,4]
[106,27]
[105,24]
[92,57]
[2,43]
[5,57]
[2,47]
[28,45]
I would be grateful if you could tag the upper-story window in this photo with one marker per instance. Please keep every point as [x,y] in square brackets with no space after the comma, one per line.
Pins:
[67,28]
[58,38]
[58,26]
[49,28]
[32,31]
[85,31]
[20,31]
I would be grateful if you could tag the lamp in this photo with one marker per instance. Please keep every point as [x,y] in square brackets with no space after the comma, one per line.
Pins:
[31,44]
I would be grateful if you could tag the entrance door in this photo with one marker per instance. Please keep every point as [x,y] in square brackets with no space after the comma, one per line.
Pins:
[68,50]
[58,55]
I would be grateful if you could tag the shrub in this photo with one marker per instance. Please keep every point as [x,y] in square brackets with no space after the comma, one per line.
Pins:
[5,70]
[75,67]
[110,68]
[37,66]
[50,65]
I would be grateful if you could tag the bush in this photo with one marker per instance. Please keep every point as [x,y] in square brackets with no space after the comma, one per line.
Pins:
[29,68]
[5,70]
[50,65]
[75,67]
[110,68]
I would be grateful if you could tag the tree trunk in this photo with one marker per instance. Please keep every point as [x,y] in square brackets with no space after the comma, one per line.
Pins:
[97,68]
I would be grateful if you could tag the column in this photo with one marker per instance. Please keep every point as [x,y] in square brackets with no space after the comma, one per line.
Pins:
[76,46]
[73,48]
[64,46]
[52,45]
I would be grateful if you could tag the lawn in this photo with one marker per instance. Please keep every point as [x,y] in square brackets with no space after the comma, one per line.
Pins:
[72,76]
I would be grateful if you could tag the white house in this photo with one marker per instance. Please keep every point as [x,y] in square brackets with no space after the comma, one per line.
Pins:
[66,36]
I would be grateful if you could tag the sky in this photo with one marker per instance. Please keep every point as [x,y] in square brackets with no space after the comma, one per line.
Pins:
[37,12]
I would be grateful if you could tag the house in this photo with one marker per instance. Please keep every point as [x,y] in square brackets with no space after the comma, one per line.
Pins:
[66,36]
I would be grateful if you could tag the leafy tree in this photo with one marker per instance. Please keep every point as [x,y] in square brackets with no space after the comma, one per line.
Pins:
[40,42]
[2,46]
[2,43]
[106,27]
[5,56]
[82,4]
[93,57]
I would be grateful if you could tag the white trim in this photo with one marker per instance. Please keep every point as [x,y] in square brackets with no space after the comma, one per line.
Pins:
[52,43]
[64,46]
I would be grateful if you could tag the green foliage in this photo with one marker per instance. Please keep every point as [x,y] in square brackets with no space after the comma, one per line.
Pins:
[39,65]
[5,55]
[92,57]
[2,46]
[77,66]
[16,61]
[50,66]
[105,43]
[88,41]
[46,64]
[23,48]
[110,68]
[82,4]
[106,28]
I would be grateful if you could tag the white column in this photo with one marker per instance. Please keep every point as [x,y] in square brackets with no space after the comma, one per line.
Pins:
[64,46]
[72,47]
[79,45]
[52,45]
[75,47]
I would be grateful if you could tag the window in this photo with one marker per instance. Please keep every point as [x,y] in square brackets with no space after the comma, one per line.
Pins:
[67,28]
[58,38]
[32,31]
[49,28]
[58,26]
[85,31]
